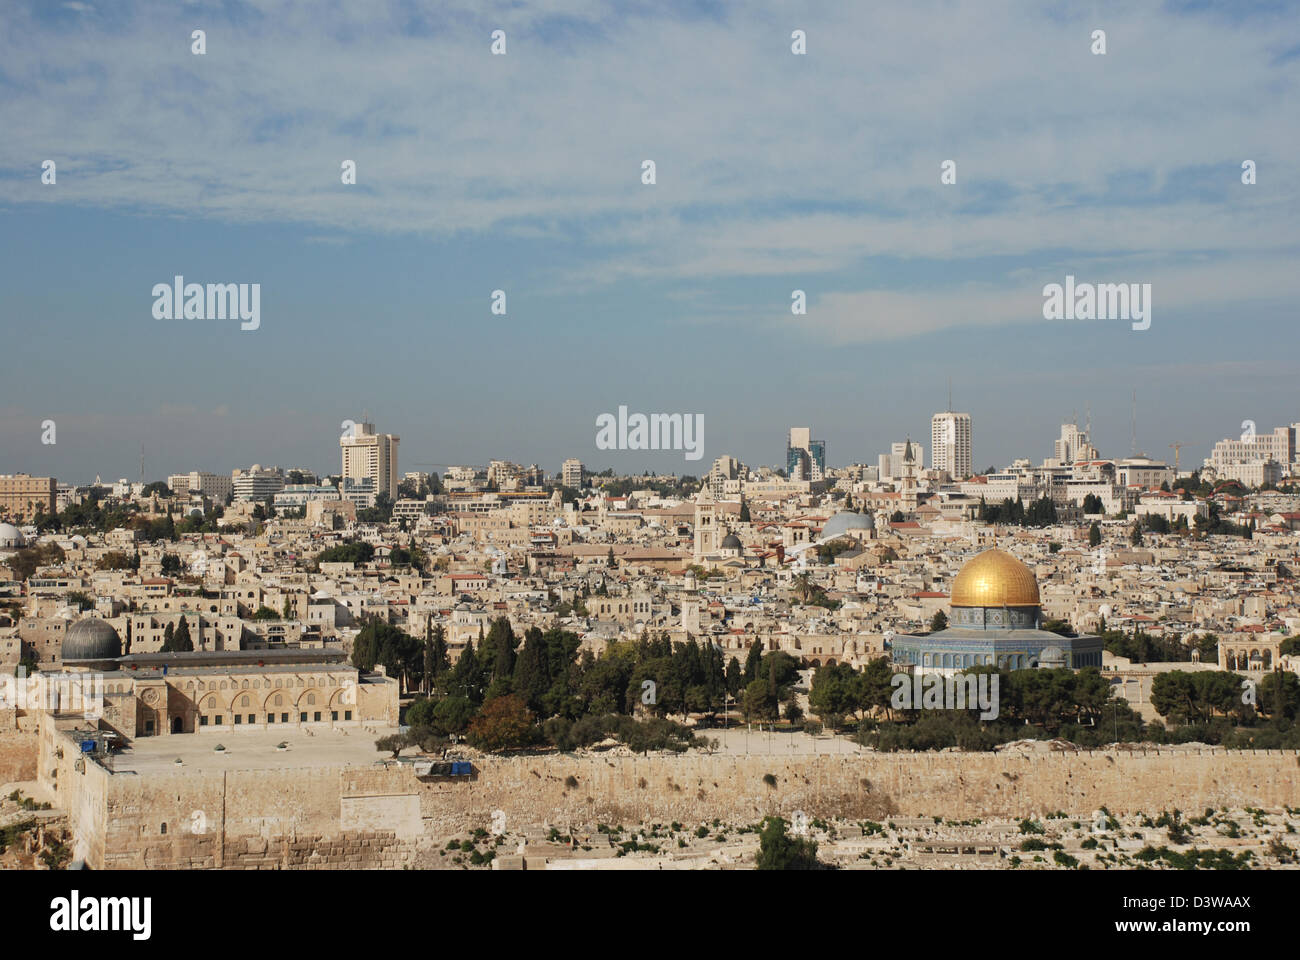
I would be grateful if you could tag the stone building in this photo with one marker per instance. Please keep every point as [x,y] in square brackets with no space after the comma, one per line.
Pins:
[148,694]
[994,621]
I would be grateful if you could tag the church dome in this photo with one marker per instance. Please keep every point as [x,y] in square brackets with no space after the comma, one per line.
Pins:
[847,520]
[995,578]
[91,639]
[10,536]
[732,542]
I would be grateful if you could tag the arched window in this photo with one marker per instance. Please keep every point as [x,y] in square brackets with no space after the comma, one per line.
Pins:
[311,699]
[243,701]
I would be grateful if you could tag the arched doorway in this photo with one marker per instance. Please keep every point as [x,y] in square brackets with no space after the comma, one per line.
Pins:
[177,725]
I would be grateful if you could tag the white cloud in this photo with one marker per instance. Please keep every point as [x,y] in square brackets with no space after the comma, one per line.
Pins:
[875,315]
[759,152]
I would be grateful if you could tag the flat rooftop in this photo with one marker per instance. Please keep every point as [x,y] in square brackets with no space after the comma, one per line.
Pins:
[252,750]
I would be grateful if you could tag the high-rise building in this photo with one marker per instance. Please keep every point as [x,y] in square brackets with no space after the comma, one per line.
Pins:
[256,484]
[805,458]
[889,466]
[950,444]
[1253,450]
[725,477]
[371,456]
[23,497]
[1073,445]
[571,473]
[212,485]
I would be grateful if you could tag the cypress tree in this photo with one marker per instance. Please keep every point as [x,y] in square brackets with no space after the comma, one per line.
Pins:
[753,663]
[181,642]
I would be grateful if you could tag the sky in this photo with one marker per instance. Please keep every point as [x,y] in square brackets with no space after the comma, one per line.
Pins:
[522,172]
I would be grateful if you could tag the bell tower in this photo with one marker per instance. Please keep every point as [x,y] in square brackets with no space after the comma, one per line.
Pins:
[909,478]
[706,524]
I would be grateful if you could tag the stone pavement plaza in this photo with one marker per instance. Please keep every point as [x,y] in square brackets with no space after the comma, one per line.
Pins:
[252,750]
[257,749]
[743,740]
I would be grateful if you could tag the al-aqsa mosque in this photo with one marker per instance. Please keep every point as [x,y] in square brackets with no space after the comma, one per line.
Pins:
[994,621]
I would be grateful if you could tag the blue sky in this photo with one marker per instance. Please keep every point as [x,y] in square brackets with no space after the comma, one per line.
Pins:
[775,172]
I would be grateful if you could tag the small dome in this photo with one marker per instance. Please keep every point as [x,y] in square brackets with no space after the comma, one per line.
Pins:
[91,639]
[732,542]
[846,520]
[1051,657]
[10,536]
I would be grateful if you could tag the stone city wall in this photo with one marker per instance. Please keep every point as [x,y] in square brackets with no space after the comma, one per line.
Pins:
[17,756]
[383,816]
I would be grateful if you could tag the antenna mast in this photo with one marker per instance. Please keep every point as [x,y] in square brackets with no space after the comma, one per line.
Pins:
[1134,442]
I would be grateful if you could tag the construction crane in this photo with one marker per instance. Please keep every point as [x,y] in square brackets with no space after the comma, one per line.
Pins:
[1177,448]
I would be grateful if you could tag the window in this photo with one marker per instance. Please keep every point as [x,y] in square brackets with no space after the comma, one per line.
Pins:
[334,715]
[239,718]
[302,718]
[270,718]
[203,720]
[217,720]
[243,702]
[163,830]
[252,718]
[311,699]
[316,716]
[278,700]
[284,718]
[347,714]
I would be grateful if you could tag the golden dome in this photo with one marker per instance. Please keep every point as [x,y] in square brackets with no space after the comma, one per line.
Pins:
[995,578]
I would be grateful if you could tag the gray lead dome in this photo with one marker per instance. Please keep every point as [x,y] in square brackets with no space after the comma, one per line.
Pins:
[91,639]
[846,520]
